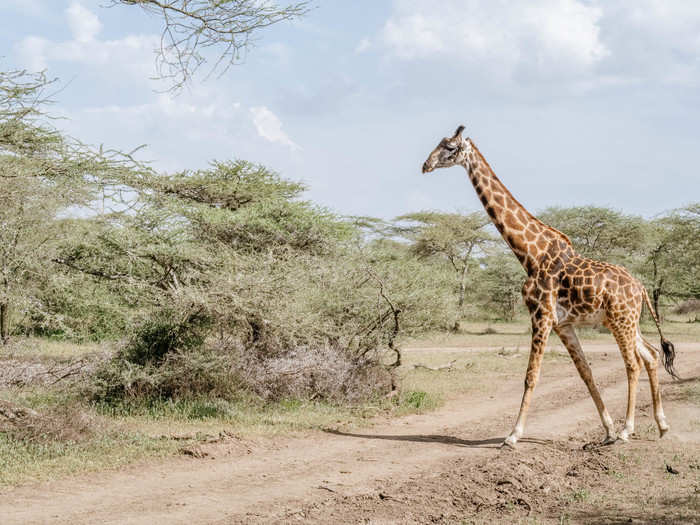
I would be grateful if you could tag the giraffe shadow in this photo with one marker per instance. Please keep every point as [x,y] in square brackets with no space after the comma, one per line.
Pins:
[494,442]
[685,380]
[486,332]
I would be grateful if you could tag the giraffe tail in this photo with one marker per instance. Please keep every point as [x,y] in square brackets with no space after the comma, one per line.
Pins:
[669,351]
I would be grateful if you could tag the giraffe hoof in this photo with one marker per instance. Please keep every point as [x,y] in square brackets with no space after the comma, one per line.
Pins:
[610,440]
[509,442]
[662,432]
[624,437]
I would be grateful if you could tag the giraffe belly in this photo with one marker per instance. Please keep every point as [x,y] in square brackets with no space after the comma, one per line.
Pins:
[567,316]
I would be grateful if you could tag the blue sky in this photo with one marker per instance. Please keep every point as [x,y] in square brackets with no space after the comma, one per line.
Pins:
[571,101]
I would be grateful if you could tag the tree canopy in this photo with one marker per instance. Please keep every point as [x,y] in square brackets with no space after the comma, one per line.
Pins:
[597,232]
[456,237]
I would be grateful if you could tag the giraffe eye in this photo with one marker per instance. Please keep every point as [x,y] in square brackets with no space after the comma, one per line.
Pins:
[450,147]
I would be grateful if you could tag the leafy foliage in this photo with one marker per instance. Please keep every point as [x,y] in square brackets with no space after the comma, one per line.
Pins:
[671,262]
[501,281]
[42,175]
[457,238]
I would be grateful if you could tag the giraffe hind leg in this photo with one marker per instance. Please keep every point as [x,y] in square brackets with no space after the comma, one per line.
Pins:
[650,356]
[568,337]
[625,336]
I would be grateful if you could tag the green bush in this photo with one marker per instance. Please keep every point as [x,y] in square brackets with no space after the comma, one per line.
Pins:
[163,336]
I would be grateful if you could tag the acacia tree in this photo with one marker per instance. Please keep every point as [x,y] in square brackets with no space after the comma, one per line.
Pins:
[454,236]
[41,174]
[501,281]
[671,265]
[191,27]
[598,232]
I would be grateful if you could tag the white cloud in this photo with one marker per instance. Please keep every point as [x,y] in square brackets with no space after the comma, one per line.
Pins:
[269,127]
[176,113]
[585,43]
[83,23]
[32,53]
[132,54]
[181,131]
[363,45]
[497,36]
[653,40]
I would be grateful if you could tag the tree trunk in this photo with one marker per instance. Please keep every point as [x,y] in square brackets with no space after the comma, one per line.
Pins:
[4,322]
[462,286]
[462,292]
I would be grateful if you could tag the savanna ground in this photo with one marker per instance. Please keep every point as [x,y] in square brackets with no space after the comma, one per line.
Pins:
[428,455]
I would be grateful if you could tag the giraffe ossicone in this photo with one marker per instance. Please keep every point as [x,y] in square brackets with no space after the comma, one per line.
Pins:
[563,290]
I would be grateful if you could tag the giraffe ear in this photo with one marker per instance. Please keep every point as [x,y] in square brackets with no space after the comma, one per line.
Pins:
[458,133]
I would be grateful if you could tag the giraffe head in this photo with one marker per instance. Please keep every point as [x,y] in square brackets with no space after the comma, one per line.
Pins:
[449,152]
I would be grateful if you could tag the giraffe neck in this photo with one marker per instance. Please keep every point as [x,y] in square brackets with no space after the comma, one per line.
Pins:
[533,242]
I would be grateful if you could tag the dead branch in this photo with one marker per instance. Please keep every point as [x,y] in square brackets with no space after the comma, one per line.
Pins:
[59,373]
[13,412]
[395,312]
[448,366]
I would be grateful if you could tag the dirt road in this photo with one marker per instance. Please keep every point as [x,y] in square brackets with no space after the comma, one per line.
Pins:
[336,476]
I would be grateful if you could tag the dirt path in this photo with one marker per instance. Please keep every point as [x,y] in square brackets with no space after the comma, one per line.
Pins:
[239,483]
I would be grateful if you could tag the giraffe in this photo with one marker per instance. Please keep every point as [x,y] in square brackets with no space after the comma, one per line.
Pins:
[564,289]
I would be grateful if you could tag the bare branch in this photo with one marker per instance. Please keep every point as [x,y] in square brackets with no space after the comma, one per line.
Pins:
[395,313]
[193,26]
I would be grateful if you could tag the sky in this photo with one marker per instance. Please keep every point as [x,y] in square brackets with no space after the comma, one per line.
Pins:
[572,102]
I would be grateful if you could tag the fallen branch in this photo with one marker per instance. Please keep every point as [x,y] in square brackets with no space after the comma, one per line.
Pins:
[59,373]
[448,366]
[14,413]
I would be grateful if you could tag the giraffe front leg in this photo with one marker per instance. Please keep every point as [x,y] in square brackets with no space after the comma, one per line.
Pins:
[541,327]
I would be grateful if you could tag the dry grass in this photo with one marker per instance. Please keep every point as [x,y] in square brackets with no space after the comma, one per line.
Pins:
[681,328]
[38,349]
